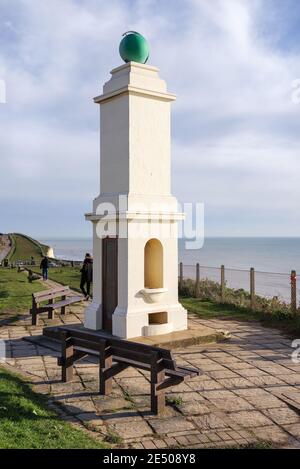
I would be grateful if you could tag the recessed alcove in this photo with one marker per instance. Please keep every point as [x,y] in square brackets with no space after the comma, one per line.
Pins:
[158,318]
[153,264]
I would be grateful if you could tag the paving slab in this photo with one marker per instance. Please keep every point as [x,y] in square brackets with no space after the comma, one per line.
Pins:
[209,422]
[250,419]
[282,415]
[249,389]
[140,428]
[174,424]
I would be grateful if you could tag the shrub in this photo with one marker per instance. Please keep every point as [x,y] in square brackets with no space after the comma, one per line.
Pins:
[211,291]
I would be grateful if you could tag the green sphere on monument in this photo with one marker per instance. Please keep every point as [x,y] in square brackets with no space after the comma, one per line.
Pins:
[134,47]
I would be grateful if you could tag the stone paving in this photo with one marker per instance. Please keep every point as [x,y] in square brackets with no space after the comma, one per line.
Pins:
[250,390]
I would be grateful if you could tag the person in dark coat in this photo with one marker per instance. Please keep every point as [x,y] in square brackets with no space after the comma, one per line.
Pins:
[86,275]
[44,266]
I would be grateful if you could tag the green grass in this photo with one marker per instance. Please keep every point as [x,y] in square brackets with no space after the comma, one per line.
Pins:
[16,291]
[24,247]
[113,438]
[65,275]
[175,400]
[27,423]
[255,445]
[209,310]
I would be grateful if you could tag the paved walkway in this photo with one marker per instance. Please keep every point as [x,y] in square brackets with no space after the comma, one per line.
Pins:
[250,390]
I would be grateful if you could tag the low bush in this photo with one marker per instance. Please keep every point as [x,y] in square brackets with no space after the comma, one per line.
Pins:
[209,290]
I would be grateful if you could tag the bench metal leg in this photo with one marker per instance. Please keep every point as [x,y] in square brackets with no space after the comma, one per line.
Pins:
[157,396]
[105,363]
[67,356]
[63,308]
[34,315]
[50,311]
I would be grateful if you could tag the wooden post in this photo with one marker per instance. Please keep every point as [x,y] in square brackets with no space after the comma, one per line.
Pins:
[105,363]
[252,289]
[67,358]
[197,284]
[222,283]
[294,292]
[180,276]
[157,377]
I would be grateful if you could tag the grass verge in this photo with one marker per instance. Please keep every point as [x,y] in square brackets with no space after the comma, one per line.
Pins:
[27,423]
[24,247]
[208,310]
[16,291]
[65,275]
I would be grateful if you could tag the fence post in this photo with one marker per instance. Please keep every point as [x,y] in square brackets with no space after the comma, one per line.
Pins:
[222,283]
[197,284]
[252,289]
[180,276]
[294,292]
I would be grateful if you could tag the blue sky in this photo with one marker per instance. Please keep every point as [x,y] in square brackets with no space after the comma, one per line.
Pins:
[236,130]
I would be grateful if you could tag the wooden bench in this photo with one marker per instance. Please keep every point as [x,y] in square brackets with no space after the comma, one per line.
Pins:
[66,296]
[115,355]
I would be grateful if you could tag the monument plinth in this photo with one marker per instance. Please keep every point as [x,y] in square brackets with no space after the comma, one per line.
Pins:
[135,286]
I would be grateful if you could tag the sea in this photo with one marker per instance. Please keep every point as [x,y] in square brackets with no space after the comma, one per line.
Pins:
[272,258]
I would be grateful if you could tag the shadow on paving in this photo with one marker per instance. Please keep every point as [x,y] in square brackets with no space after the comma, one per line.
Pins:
[228,398]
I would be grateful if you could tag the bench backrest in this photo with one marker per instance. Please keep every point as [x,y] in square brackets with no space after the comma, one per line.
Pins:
[50,294]
[134,351]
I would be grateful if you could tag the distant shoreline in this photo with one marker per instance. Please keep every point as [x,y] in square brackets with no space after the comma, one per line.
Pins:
[274,254]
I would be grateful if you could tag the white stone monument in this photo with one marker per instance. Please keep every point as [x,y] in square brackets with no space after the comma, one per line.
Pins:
[135,281]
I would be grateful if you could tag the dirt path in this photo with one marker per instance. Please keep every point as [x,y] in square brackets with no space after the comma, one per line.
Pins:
[4,247]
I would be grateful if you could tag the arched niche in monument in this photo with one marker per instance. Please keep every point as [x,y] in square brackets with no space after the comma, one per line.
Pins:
[153,264]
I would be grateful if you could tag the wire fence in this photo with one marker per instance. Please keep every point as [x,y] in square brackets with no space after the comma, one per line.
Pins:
[33,262]
[265,284]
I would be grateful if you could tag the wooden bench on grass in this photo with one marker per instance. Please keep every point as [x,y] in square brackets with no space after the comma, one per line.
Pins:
[66,296]
[115,355]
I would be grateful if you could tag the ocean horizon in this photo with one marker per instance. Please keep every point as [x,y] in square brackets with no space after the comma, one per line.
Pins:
[265,254]
[273,258]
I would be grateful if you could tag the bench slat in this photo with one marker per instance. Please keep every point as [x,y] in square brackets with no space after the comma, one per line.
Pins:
[126,345]
[59,304]
[182,373]
[133,363]
[53,290]
[131,354]
[88,345]
[51,294]
[188,371]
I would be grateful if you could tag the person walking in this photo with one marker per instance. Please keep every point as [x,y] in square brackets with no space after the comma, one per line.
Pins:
[86,275]
[44,266]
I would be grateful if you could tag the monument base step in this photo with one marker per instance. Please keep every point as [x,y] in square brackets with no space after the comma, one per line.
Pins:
[196,334]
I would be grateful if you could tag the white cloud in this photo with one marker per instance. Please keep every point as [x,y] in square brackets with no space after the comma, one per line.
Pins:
[236,139]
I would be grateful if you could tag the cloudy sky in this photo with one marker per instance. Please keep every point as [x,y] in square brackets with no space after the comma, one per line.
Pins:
[236,128]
